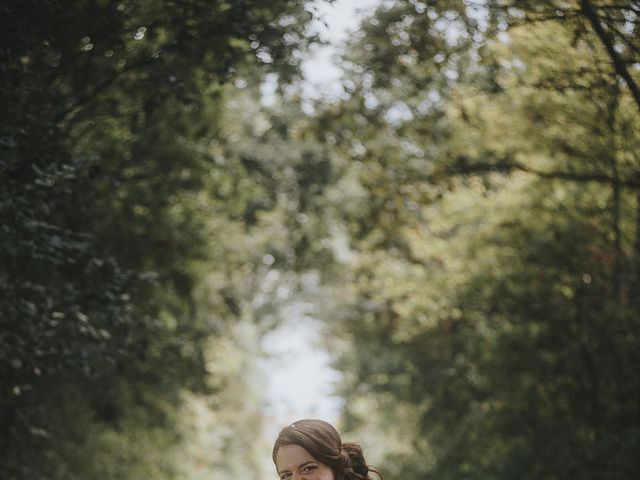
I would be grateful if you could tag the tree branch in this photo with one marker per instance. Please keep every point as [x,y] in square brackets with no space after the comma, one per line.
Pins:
[619,65]
[87,98]
[463,166]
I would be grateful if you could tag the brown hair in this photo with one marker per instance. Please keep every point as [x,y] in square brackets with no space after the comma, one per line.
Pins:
[323,442]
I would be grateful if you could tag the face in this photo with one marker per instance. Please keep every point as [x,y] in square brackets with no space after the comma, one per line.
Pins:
[295,463]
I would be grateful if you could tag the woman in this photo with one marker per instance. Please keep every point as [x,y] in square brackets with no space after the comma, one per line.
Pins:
[313,450]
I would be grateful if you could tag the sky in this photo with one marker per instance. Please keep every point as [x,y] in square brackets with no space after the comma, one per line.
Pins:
[297,373]
[299,381]
[335,21]
[299,378]
[341,18]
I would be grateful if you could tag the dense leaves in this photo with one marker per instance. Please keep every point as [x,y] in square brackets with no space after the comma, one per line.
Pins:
[472,202]
[108,211]
[494,296]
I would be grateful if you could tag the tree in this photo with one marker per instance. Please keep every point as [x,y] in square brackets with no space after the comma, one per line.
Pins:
[492,295]
[107,201]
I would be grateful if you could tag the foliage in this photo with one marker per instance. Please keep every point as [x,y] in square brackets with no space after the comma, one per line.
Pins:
[472,201]
[109,197]
[492,312]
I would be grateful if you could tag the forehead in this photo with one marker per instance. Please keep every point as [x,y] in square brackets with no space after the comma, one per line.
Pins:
[290,457]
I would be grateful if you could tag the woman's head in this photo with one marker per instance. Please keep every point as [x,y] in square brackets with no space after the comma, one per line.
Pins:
[313,450]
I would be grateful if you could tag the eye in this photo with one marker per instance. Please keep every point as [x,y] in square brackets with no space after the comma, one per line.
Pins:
[285,476]
[309,468]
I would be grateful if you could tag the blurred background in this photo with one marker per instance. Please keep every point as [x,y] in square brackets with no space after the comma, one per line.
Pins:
[418,220]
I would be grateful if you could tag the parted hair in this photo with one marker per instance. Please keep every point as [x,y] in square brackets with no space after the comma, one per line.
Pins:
[323,442]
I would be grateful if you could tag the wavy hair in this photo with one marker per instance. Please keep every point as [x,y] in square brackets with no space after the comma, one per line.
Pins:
[323,442]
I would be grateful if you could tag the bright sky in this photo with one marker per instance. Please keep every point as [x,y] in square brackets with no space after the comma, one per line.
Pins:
[322,75]
[299,379]
[298,376]
[342,17]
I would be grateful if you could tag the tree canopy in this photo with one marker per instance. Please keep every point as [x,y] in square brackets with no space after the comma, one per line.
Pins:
[494,297]
[469,208]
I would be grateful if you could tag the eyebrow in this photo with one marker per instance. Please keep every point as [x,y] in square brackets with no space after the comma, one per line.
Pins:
[280,472]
